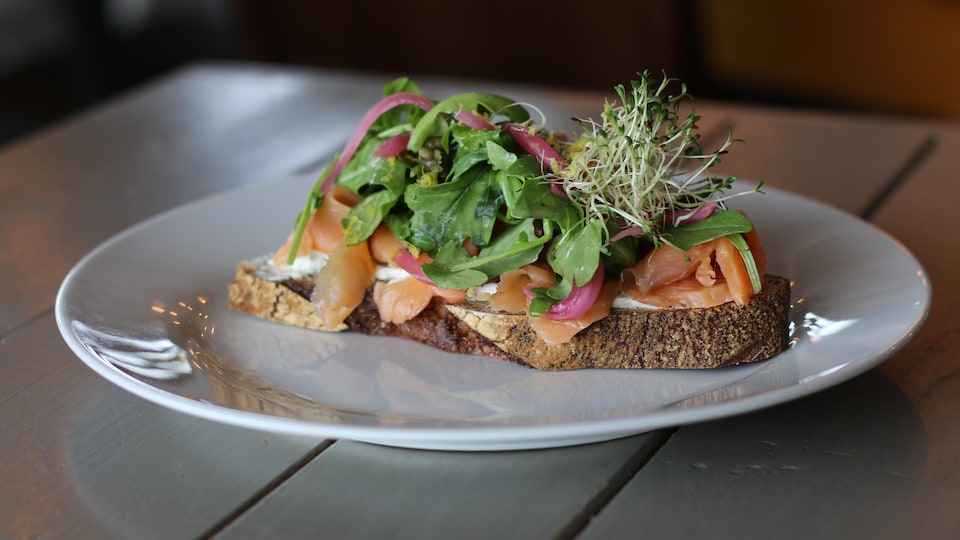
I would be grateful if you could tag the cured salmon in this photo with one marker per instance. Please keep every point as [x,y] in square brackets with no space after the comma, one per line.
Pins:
[303,248]
[342,283]
[513,296]
[326,225]
[512,289]
[707,275]
[555,332]
[401,300]
[384,246]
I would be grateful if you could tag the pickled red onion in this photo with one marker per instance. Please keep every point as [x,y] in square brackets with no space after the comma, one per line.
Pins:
[414,267]
[580,300]
[691,215]
[473,120]
[537,147]
[540,149]
[382,106]
[629,231]
[392,146]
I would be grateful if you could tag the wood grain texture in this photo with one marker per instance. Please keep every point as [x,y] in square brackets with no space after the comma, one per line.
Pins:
[923,215]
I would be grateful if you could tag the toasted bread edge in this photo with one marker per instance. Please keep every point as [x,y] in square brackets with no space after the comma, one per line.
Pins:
[666,338]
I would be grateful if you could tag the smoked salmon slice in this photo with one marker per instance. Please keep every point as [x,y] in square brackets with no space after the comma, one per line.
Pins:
[304,248]
[554,332]
[399,301]
[686,293]
[384,245]
[326,225]
[324,230]
[707,275]
[511,295]
[342,283]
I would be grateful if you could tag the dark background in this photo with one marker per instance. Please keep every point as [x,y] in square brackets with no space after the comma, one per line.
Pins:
[58,57]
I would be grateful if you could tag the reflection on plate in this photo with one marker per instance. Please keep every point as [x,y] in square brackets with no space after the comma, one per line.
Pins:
[147,311]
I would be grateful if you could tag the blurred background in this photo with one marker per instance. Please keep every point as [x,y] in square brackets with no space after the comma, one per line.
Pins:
[58,57]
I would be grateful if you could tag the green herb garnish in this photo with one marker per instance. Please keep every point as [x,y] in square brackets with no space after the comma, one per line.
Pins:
[313,202]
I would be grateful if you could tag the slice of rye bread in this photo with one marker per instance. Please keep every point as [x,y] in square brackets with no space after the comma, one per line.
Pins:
[665,338]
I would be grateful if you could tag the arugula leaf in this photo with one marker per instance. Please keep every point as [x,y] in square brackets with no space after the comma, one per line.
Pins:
[399,224]
[395,116]
[576,254]
[538,201]
[451,212]
[313,202]
[523,165]
[720,223]
[545,298]
[432,124]
[470,138]
[440,270]
[365,168]
[513,247]
[500,157]
[365,217]
[624,252]
[525,195]
[741,244]
[400,84]
[466,160]
[516,246]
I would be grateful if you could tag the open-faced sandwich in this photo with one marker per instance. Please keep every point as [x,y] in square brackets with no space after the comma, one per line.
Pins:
[465,226]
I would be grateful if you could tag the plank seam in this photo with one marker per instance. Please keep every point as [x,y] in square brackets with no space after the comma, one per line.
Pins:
[916,159]
[266,490]
[618,481]
[23,326]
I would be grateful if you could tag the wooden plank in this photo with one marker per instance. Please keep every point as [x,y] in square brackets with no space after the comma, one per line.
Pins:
[842,160]
[839,464]
[876,457]
[923,216]
[81,458]
[358,490]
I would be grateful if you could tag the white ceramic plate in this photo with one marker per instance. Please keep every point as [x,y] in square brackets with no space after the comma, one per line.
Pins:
[147,310]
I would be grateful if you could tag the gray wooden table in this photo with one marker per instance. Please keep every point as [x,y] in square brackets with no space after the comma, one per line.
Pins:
[875,457]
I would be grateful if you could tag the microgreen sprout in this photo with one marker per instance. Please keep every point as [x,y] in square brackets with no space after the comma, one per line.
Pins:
[643,161]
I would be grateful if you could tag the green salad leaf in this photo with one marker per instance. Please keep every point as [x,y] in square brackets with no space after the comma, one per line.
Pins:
[748,260]
[432,123]
[454,211]
[720,223]
[576,254]
[313,202]
[514,247]
[366,216]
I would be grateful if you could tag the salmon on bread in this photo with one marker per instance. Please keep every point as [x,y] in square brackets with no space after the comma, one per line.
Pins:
[464,225]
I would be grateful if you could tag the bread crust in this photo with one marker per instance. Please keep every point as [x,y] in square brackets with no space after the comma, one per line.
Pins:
[664,338]
[287,302]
